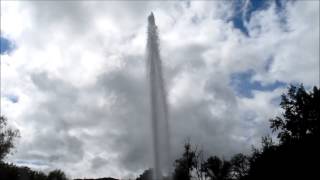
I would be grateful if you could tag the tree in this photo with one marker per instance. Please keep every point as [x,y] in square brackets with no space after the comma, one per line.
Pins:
[217,169]
[7,136]
[301,117]
[264,163]
[200,165]
[12,172]
[185,165]
[298,132]
[146,175]
[240,166]
[57,175]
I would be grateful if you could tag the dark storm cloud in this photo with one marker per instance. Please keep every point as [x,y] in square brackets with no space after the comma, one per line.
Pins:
[98,162]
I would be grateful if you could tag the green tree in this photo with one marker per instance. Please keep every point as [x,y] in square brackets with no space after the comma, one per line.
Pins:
[13,172]
[185,165]
[7,136]
[298,131]
[217,169]
[146,175]
[301,115]
[240,166]
[57,175]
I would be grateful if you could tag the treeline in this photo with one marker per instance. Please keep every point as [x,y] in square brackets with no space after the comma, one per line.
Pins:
[13,172]
[294,156]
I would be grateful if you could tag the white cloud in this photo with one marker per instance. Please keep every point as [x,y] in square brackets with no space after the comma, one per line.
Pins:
[79,73]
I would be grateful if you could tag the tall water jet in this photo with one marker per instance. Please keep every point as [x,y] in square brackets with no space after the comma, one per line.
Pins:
[159,108]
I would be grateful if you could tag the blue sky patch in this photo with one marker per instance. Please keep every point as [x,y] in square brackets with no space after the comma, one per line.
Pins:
[32,163]
[241,16]
[239,24]
[6,46]
[13,98]
[243,85]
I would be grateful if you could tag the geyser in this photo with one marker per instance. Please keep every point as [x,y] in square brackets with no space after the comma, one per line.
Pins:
[159,108]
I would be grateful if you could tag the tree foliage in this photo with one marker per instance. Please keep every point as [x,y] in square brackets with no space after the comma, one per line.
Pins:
[7,136]
[146,175]
[217,169]
[185,165]
[12,172]
[298,132]
[239,166]
[57,175]
[300,119]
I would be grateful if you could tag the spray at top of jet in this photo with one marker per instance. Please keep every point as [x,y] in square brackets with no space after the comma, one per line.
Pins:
[151,19]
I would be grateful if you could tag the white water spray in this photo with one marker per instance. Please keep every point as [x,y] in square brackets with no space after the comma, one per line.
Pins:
[159,108]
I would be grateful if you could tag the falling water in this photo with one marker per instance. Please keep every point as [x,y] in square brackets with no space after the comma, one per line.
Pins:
[159,109]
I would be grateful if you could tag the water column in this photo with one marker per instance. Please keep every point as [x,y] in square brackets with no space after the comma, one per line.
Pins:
[159,108]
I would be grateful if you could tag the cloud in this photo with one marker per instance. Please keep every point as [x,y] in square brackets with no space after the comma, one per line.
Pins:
[98,162]
[79,72]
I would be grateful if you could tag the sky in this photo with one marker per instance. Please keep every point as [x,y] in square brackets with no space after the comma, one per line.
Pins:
[73,78]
